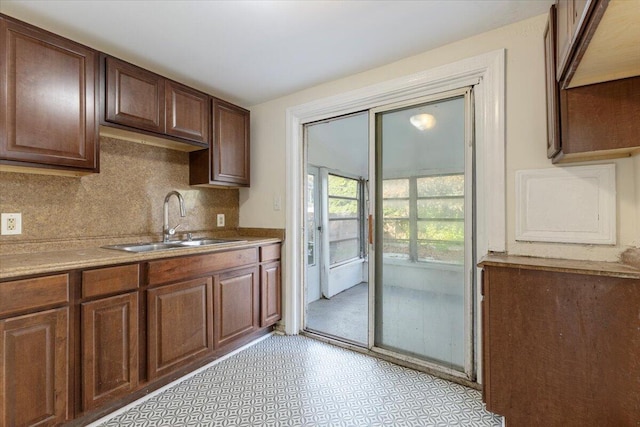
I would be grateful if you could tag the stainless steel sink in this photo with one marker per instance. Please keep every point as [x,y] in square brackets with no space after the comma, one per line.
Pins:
[206,242]
[144,247]
[176,244]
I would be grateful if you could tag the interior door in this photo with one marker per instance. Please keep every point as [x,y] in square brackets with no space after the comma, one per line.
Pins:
[422,292]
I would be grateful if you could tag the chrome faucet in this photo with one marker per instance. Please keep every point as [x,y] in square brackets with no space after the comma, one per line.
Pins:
[166,231]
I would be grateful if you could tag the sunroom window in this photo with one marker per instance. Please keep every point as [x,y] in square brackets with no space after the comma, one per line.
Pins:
[345,219]
[424,218]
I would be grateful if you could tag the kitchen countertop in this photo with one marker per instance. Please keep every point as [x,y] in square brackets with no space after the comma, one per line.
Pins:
[594,268]
[26,264]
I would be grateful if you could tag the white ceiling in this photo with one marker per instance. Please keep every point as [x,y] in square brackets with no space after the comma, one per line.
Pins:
[249,52]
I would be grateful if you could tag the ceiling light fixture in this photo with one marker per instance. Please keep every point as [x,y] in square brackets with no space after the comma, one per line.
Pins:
[423,121]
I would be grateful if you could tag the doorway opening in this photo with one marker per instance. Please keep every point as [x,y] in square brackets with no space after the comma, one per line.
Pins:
[486,73]
[421,221]
[337,286]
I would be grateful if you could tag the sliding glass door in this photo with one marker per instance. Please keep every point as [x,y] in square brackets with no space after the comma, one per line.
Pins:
[417,243]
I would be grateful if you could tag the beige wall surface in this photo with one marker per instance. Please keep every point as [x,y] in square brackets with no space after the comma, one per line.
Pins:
[124,199]
[525,137]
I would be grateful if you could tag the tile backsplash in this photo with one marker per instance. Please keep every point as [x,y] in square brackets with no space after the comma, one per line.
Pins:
[124,199]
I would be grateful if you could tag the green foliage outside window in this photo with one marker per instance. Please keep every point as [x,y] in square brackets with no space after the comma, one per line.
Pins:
[426,222]
[344,218]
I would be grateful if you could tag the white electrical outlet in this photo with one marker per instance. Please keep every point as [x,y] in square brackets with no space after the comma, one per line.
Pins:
[277,202]
[220,220]
[11,223]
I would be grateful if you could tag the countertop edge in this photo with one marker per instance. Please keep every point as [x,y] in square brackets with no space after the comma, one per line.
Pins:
[38,263]
[593,268]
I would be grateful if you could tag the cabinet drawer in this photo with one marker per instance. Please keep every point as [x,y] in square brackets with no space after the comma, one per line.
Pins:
[31,294]
[269,253]
[181,268]
[110,280]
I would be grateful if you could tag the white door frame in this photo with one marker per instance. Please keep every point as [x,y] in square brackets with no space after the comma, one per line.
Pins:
[489,69]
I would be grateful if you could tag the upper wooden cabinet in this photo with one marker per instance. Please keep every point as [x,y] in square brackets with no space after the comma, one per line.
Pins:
[571,15]
[134,97]
[605,41]
[553,114]
[227,161]
[48,115]
[187,112]
[144,101]
[599,119]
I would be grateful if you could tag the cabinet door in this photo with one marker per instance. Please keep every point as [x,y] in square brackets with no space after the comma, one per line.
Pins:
[34,369]
[188,112]
[236,305]
[561,349]
[270,293]
[553,114]
[47,97]
[109,348]
[179,324]
[571,15]
[230,151]
[134,96]
[563,13]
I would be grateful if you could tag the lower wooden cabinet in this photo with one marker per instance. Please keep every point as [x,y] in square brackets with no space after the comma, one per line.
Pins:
[34,372]
[270,298]
[109,348]
[236,305]
[75,344]
[180,327]
[561,348]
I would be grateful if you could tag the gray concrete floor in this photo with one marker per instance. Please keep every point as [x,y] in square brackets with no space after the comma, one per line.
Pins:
[344,316]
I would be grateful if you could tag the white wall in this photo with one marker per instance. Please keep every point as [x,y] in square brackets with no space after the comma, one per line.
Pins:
[525,136]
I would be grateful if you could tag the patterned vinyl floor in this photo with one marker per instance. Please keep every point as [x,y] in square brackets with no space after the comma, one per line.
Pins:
[298,381]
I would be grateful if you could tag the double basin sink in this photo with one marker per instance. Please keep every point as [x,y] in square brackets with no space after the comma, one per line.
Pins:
[175,244]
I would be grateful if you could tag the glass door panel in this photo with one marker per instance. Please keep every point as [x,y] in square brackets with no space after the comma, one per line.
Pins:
[337,291]
[423,211]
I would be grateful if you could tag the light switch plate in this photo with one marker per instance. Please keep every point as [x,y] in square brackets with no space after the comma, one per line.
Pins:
[11,223]
[220,219]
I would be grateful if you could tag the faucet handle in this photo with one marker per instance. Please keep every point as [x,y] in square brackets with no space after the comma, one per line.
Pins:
[172,231]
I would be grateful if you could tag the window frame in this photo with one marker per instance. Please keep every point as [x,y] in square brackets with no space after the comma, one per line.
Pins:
[359,218]
[414,218]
